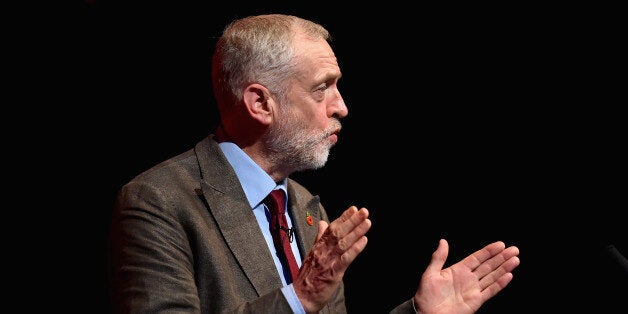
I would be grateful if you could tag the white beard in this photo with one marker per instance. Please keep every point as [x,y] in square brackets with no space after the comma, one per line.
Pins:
[295,148]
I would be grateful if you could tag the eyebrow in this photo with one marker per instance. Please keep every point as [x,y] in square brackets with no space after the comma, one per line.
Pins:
[329,76]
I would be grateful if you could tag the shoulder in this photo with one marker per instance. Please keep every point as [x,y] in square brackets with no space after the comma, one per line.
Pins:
[167,190]
[185,166]
[180,166]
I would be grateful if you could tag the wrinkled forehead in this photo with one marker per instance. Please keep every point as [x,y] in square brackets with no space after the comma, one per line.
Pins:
[313,49]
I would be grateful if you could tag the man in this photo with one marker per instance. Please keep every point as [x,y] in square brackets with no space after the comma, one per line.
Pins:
[193,234]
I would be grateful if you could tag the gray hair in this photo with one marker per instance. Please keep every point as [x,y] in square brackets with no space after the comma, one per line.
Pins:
[258,49]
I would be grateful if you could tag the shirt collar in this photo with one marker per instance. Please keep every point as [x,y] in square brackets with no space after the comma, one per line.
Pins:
[255,182]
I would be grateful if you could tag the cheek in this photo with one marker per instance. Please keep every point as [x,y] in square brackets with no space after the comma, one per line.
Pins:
[319,121]
[310,117]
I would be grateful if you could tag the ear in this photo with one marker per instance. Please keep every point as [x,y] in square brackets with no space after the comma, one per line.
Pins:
[259,105]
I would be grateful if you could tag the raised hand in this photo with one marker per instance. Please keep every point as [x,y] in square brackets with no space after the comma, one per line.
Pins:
[337,245]
[463,287]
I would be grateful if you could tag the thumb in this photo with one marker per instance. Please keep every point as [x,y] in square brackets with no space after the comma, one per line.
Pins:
[438,257]
[322,226]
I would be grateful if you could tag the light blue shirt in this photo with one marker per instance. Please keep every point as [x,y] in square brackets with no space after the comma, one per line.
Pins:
[257,184]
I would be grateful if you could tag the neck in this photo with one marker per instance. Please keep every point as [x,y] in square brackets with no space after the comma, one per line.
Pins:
[220,135]
[254,151]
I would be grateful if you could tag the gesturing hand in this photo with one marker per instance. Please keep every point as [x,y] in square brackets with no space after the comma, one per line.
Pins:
[465,286]
[337,245]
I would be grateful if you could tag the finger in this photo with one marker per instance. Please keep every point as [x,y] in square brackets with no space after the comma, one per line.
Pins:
[496,262]
[347,247]
[359,227]
[346,215]
[511,263]
[497,275]
[352,216]
[350,254]
[496,286]
[346,236]
[438,257]
[350,224]
[478,257]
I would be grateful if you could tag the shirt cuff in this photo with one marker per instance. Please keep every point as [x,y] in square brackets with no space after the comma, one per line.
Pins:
[293,300]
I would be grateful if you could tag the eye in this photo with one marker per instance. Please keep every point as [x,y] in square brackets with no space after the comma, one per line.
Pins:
[319,92]
[321,88]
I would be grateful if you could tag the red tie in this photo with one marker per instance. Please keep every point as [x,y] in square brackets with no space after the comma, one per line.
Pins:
[282,235]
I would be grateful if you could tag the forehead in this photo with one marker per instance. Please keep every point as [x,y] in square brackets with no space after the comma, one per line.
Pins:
[315,55]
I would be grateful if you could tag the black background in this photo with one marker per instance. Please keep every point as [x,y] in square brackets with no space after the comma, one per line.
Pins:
[474,123]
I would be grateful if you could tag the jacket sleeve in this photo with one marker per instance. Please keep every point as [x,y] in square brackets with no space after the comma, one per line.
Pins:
[151,265]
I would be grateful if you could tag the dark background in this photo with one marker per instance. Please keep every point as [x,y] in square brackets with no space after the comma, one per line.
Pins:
[474,123]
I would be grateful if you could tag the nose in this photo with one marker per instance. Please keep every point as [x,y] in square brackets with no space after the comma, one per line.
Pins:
[337,107]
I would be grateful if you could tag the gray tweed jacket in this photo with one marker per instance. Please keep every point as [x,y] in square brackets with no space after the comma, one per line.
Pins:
[185,240]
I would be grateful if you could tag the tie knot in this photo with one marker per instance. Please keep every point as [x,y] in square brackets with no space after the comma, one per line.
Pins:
[276,202]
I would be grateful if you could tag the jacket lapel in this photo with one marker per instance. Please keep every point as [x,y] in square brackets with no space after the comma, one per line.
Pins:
[300,207]
[228,205]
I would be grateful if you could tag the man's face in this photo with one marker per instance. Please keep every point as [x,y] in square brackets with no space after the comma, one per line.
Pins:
[308,122]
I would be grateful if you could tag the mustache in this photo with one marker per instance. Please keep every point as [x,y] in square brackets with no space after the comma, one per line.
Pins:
[334,127]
